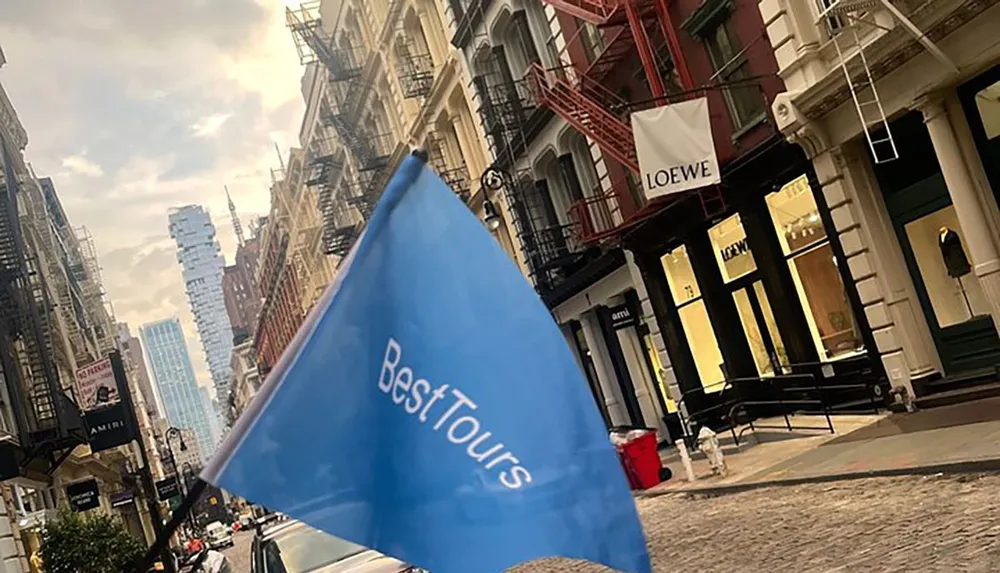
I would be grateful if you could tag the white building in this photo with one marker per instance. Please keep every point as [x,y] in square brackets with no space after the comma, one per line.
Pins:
[202,264]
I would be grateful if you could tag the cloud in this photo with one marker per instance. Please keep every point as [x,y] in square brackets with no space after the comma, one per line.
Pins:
[83,166]
[171,100]
[209,126]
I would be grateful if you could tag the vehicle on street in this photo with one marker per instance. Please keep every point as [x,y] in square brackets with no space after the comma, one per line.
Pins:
[294,547]
[218,536]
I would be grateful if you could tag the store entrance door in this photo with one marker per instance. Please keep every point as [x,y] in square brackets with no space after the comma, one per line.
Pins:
[952,299]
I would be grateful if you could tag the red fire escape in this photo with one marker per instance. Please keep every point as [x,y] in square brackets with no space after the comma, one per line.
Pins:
[594,111]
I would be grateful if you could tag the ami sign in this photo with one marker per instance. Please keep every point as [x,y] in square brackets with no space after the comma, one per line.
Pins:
[675,148]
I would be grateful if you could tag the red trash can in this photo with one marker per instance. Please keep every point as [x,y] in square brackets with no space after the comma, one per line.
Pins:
[641,461]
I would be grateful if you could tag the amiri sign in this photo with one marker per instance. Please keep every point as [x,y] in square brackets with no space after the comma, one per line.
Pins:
[675,148]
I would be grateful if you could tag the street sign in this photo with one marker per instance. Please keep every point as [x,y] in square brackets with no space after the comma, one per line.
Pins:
[108,427]
[96,386]
[167,488]
[83,495]
[122,498]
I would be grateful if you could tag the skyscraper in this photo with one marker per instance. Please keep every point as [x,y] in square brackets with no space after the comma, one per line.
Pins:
[175,380]
[201,262]
[242,297]
[133,347]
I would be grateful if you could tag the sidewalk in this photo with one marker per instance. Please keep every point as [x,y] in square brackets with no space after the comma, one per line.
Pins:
[959,438]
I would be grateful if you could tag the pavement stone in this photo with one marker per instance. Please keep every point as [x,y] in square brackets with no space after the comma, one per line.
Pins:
[946,524]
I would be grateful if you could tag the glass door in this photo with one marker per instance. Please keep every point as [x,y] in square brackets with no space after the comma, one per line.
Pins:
[739,273]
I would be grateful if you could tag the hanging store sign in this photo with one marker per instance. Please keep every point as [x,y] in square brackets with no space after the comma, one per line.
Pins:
[621,317]
[108,427]
[122,498]
[167,488]
[96,386]
[675,148]
[83,495]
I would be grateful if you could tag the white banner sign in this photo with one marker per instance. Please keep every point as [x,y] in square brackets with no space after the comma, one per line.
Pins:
[96,386]
[675,148]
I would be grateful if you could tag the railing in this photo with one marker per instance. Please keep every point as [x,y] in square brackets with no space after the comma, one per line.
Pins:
[416,74]
[596,217]
[458,179]
[743,401]
[380,146]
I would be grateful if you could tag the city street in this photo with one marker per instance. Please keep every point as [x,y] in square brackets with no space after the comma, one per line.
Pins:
[932,524]
[239,553]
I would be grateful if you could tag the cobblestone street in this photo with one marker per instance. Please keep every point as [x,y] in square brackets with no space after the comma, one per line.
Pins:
[913,524]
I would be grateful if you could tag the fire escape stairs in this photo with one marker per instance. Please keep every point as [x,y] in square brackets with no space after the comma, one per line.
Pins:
[596,12]
[588,115]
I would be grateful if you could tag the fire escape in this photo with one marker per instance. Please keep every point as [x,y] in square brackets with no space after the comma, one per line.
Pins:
[507,110]
[49,422]
[452,171]
[581,98]
[341,111]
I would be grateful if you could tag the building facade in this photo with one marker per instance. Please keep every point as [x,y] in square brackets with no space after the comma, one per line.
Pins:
[246,379]
[199,255]
[173,374]
[910,180]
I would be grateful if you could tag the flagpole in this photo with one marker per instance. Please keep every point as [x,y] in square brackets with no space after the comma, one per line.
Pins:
[176,519]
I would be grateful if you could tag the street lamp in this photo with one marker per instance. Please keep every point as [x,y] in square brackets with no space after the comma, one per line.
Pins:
[491,180]
[174,433]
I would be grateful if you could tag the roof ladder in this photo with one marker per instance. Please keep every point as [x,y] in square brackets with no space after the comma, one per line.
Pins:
[842,20]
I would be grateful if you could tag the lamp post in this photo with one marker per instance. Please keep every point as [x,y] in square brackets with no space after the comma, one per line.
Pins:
[493,179]
[173,432]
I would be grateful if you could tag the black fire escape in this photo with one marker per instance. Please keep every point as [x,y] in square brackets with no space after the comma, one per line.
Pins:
[49,423]
[511,117]
[341,110]
[415,67]
[452,171]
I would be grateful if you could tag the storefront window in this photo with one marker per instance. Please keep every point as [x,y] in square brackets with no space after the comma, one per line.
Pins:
[729,241]
[654,361]
[939,248]
[814,270]
[694,318]
[988,102]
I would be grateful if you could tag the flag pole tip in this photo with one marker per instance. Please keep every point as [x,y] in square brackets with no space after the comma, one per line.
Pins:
[420,154]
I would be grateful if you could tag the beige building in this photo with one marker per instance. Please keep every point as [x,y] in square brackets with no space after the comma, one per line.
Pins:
[395,83]
[908,169]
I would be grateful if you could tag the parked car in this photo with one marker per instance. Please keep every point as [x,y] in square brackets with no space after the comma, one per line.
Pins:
[294,547]
[218,536]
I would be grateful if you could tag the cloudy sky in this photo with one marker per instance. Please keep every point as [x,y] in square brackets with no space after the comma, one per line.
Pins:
[134,107]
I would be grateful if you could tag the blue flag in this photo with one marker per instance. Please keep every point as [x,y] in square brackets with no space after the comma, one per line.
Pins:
[430,409]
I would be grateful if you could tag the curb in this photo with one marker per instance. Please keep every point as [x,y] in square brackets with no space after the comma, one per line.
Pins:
[963,467]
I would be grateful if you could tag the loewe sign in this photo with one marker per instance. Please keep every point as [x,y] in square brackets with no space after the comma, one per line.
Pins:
[675,148]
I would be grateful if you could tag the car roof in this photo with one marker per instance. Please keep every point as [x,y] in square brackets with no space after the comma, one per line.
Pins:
[281,527]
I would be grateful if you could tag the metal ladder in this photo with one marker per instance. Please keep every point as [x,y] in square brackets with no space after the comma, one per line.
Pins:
[842,22]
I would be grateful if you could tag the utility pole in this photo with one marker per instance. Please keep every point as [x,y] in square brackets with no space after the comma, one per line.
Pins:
[118,367]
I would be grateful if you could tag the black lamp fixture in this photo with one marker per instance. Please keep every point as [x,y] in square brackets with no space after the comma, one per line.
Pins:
[491,180]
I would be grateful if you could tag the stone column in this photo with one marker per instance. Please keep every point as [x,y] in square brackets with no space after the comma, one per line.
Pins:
[982,250]
[605,373]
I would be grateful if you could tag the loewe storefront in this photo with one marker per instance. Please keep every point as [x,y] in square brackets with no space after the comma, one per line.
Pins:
[759,292]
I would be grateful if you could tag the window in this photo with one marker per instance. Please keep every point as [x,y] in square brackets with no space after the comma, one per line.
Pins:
[953,289]
[744,99]
[814,270]
[694,318]
[592,40]
[988,102]
[732,252]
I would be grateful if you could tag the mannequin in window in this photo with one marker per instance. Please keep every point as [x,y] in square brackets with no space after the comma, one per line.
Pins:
[955,260]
